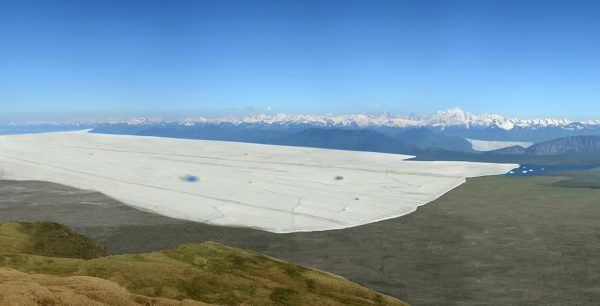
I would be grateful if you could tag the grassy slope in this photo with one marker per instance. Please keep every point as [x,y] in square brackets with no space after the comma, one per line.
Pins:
[208,272]
[580,179]
[48,239]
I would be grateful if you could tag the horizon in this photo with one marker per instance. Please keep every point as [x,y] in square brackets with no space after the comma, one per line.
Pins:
[42,118]
[525,59]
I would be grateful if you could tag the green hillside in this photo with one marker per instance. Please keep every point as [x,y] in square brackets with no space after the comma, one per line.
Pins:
[47,239]
[208,272]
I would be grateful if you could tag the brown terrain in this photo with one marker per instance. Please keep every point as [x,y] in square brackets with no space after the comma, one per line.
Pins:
[22,289]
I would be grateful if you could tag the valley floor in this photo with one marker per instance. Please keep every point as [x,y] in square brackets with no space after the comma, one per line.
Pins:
[494,240]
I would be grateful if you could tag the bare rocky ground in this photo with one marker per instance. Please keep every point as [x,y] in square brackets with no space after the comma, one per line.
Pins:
[492,241]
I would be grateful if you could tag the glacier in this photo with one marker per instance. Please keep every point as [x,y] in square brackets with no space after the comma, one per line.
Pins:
[274,188]
[488,145]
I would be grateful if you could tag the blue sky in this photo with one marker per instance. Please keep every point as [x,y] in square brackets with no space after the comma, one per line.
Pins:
[518,58]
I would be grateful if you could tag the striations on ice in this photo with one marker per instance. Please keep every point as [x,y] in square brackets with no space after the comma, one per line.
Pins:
[274,188]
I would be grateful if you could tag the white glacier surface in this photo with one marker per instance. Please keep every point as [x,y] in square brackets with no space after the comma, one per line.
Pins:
[487,145]
[275,188]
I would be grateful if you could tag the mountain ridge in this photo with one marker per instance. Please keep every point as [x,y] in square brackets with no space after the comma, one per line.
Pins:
[564,145]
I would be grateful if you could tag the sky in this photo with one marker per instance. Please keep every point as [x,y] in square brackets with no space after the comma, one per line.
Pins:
[517,58]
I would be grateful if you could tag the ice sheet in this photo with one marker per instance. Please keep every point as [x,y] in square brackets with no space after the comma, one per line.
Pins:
[275,188]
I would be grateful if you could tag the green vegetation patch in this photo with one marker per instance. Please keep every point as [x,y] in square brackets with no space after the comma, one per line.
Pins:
[47,239]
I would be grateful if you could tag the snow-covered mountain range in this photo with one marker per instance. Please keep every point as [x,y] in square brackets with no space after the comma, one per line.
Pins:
[454,117]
